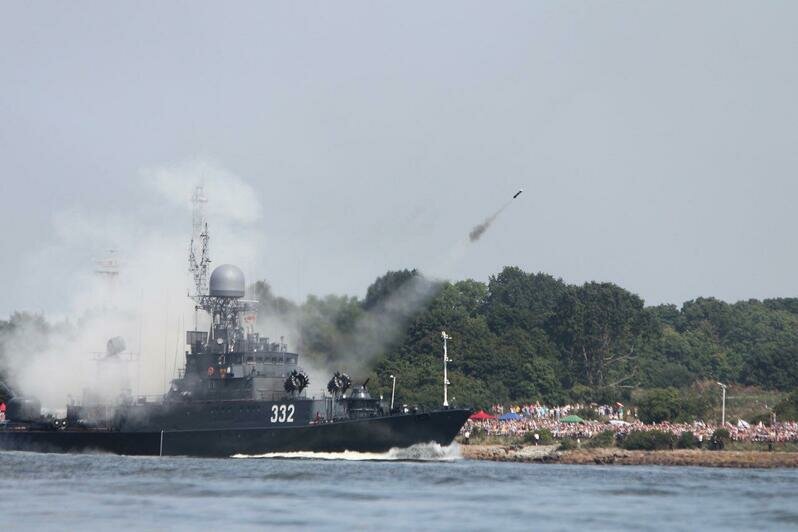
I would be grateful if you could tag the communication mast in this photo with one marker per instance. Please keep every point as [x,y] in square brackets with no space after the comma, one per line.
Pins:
[199,239]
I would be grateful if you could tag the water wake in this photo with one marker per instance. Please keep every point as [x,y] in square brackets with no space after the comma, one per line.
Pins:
[421,452]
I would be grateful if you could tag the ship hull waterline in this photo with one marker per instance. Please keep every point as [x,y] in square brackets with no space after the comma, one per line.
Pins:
[376,434]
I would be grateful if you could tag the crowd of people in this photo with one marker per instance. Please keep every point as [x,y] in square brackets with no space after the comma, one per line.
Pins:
[534,418]
[539,411]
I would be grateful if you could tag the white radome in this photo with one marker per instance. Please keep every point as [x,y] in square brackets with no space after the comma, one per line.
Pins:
[226,280]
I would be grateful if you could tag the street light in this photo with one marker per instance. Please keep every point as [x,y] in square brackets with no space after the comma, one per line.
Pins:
[393,390]
[723,405]
[445,373]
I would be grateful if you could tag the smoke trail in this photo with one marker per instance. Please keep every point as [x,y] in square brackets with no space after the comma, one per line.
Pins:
[477,232]
[379,328]
[374,331]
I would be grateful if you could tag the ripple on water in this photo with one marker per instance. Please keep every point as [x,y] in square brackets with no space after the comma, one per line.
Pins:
[66,492]
[643,491]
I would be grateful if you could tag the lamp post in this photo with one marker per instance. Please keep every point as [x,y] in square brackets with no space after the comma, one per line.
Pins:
[445,372]
[393,390]
[723,405]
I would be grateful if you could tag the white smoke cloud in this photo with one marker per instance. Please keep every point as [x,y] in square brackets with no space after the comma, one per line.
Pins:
[146,303]
[233,199]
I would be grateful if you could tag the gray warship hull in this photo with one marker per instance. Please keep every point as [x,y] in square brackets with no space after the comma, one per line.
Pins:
[374,434]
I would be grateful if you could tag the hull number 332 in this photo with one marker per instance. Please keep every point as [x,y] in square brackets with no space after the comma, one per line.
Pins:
[282,414]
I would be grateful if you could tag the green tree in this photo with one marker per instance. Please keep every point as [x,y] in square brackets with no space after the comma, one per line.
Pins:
[383,287]
[669,404]
[600,329]
[648,440]
[787,408]
[519,300]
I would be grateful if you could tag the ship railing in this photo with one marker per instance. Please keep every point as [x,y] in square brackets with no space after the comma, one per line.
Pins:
[155,398]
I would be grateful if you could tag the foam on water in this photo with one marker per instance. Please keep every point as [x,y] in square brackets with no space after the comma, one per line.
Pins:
[421,452]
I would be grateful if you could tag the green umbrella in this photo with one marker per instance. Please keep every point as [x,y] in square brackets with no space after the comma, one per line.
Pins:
[572,419]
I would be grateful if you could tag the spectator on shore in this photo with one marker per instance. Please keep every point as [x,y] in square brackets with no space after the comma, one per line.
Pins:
[536,417]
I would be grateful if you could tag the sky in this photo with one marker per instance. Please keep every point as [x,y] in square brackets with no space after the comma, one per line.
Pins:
[655,142]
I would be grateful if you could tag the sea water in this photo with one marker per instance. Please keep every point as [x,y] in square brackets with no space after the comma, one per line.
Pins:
[426,488]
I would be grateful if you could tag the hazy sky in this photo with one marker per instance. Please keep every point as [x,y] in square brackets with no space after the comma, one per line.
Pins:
[657,142]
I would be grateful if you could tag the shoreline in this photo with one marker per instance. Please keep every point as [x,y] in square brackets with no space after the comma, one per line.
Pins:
[548,454]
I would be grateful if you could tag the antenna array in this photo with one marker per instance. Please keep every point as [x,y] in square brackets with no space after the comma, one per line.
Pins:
[199,237]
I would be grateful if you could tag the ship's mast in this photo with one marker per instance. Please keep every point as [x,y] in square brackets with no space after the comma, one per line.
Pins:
[199,239]
[224,308]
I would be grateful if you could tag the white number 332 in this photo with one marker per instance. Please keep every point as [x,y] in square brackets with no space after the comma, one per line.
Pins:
[282,414]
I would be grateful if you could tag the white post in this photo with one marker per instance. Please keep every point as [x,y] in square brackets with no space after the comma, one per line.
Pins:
[445,371]
[723,409]
[393,390]
[723,405]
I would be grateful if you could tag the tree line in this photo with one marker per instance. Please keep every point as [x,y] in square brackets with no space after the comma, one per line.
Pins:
[532,337]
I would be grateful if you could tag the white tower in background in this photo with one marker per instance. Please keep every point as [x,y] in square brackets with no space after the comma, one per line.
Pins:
[446,360]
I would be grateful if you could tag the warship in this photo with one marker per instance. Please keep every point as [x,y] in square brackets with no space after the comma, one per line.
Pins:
[238,393]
